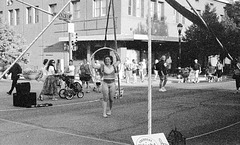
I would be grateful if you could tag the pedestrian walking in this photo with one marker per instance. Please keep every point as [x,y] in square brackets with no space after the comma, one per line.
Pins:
[128,70]
[108,71]
[162,72]
[43,72]
[134,70]
[85,74]
[155,69]
[50,83]
[197,69]
[15,72]
[169,62]
[236,76]
[219,70]
[142,70]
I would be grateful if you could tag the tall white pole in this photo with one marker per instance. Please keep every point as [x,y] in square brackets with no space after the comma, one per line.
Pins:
[39,35]
[149,71]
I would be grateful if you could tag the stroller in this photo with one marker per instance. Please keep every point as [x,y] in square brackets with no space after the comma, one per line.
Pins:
[70,88]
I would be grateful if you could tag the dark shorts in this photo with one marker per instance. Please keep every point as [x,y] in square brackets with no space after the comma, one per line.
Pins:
[163,77]
[85,77]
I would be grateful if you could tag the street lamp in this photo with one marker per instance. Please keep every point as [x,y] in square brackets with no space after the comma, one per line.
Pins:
[179,28]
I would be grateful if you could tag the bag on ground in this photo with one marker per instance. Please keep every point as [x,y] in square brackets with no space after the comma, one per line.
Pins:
[176,138]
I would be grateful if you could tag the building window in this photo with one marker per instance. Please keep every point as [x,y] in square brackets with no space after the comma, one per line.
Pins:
[142,8]
[17,11]
[1,16]
[183,20]
[177,17]
[138,8]
[99,8]
[152,8]
[76,10]
[53,10]
[29,15]
[160,11]
[103,7]
[180,18]
[11,18]
[36,15]
[129,7]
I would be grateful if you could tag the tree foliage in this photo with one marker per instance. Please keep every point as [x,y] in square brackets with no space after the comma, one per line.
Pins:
[10,41]
[233,12]
[199,42]
[231,25]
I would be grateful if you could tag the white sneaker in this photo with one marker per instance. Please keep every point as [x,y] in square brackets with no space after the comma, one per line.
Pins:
[164,90]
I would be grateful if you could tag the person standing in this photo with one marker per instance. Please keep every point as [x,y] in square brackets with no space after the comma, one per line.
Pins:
[85,74]
[43,72]
[219,70]
[70,72]
[197,69]
[50,83]
[155,69]
[236,76]
[162,72]
[169,62]
[16,71]
[108,71]
[134,70]
[142,69]
[128,70]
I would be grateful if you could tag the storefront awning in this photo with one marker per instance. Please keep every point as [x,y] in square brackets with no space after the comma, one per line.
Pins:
[121,37]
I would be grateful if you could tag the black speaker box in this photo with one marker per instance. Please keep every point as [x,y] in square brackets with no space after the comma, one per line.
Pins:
[25,100]
[23,88]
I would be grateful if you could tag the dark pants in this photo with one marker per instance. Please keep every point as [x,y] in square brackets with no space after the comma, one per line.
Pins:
[14,84]
[237,82]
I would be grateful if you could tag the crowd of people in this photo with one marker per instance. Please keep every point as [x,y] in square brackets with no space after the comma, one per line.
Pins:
[104,75]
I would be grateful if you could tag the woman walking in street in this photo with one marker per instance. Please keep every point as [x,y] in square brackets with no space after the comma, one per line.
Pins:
[50,83]
[108,70]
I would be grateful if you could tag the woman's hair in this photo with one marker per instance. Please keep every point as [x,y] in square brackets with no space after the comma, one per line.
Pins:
[45,61]
[111,58]
[51,63]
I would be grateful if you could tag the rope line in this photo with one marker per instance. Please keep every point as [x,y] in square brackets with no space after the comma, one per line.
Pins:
[207,133]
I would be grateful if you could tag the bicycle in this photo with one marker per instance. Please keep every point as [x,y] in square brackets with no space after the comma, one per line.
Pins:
[71,88]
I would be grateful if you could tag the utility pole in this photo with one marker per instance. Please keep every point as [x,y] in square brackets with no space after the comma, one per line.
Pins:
[149,70]
[70,46]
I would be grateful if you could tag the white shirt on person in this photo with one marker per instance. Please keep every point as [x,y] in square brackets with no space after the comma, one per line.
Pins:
[51,70]
[71,70]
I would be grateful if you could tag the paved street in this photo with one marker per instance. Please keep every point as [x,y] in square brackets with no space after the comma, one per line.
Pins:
[206,113]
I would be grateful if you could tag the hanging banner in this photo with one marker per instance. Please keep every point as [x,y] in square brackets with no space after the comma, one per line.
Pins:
[70,27]
[150,139]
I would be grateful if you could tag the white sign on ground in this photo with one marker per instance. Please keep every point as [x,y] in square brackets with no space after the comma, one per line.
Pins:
[151,139]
